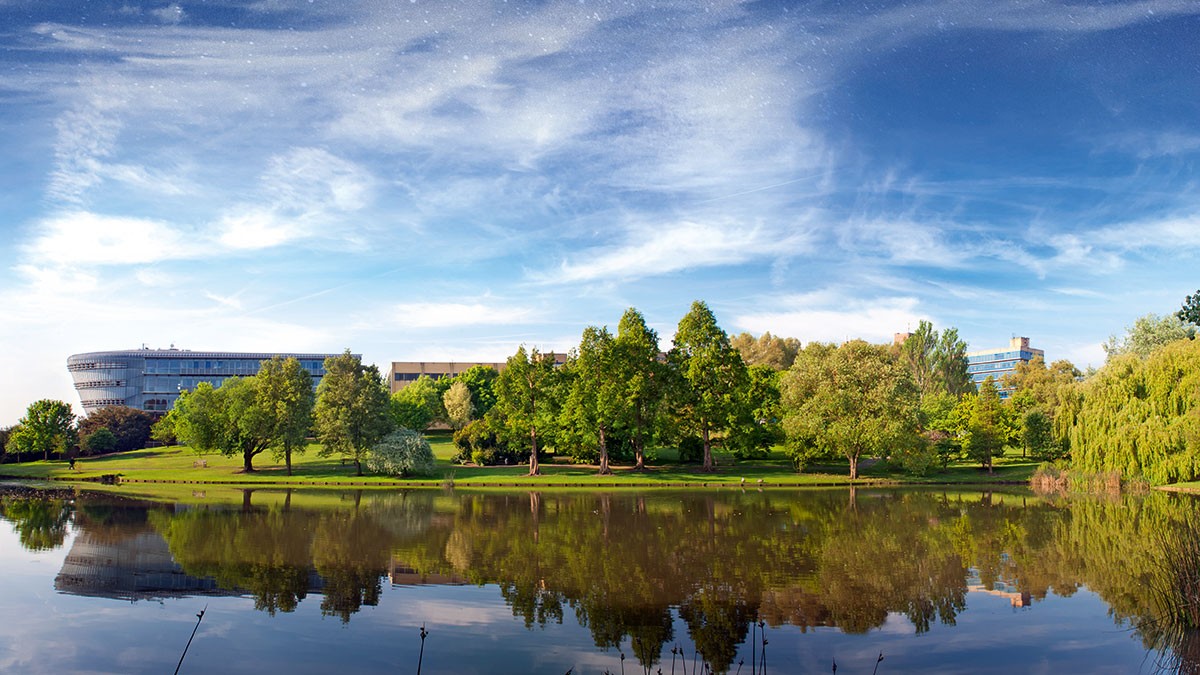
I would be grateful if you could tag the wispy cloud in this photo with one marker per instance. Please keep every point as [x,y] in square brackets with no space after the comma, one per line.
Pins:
[426,315]
[651,251]
[833,316]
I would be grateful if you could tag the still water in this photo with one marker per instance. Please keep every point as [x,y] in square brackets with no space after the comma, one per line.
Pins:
[551,582]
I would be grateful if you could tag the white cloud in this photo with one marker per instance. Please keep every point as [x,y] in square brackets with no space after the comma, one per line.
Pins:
[650,250]
[830,316]
[83,238]
[171,14]
[453,314]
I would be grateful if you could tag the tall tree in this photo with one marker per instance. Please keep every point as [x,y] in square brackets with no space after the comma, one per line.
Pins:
[227,419]
[351,414]
[525,405]
[858,400]
[712,375]
[48,426]
[285,392]
[593,401]
[987,431]
[937,362]
[459,407]
[643,375]
[1147,334]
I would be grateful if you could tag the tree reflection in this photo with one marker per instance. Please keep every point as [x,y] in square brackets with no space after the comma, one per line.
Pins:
[41,523]
[626,565]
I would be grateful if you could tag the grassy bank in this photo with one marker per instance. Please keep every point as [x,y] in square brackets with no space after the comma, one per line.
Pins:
[181,465]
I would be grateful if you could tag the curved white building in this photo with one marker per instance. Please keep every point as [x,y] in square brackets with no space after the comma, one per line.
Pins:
[151,379]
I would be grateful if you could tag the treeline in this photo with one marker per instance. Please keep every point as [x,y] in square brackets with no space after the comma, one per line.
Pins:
[49,427]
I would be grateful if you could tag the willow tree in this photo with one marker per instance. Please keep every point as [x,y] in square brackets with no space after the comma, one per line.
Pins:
[1141,418]
[711,376]
[857,400]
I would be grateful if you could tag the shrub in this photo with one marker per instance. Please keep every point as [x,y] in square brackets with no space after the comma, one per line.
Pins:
[691,449]
[99,442]
[402,453]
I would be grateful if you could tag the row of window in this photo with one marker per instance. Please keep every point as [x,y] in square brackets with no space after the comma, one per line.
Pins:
[100,402]
[97,384]
[1001,356]
[95,365]
[219,366]
[413,377]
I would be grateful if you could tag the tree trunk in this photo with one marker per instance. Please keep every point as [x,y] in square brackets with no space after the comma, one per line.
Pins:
[708,460]
[358,466]
[854,467]
[287,457]
[640,456]
[604,470]
[248,462]
[533,459]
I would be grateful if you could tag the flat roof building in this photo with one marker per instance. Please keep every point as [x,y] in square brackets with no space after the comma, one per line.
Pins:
[151,379]
[403,373]
[1000,361]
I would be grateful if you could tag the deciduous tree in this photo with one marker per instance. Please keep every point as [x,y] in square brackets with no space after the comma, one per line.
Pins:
[130,426]
[1149,333]
[525,400]
[285,392]
[856,400]
[593,404]
[460,409]
[351,414]
[48,426]
[417,405]
[227,419]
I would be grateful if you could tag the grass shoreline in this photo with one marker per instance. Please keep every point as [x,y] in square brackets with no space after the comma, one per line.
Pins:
[177,465]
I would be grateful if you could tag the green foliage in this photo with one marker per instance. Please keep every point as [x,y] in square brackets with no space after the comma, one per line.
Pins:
[937,362]
[691,449]
[526,402]
[48,426]
[163,430]
[351,413]
[761,425]
[228,419]
[1037,436]
[458,404]
[481,380]
[1190,311]
[644,382]
[593,403]
[417,405]
[100,442]
[130,426]
[1149,333]
[478,437]
[711,376]
[1141,418]
[284,392]
[988,427]
[402,453]
[857,400]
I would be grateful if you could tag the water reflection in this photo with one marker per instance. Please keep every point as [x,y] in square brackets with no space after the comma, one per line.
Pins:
[626,566]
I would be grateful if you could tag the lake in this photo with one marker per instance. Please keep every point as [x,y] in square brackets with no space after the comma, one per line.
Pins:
[585,582]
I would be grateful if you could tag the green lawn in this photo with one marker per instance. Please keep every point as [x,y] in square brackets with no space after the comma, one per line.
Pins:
[182,465]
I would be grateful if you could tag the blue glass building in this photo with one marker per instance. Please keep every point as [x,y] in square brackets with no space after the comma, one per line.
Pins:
[151,379]
[999,362]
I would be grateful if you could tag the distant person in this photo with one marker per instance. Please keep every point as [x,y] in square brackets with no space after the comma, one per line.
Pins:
[71,463]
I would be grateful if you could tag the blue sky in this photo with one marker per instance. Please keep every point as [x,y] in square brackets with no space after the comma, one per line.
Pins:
[437,181]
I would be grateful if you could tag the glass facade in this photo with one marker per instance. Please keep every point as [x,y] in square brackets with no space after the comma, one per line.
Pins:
[996,363]
[151,379]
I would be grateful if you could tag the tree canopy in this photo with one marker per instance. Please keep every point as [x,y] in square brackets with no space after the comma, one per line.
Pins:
[48,426]
[526,403]
[857,400]
[1147,334]
[712,375]
[351,413]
